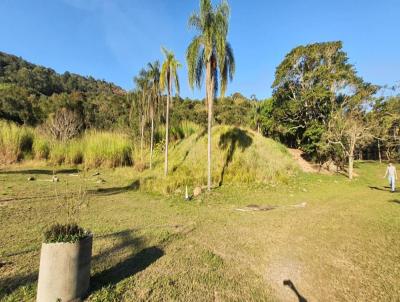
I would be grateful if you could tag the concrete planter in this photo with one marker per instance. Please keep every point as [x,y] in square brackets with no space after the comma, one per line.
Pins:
[64,272]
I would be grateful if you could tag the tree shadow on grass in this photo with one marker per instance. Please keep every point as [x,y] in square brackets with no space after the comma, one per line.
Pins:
[131,265]
[125,240]
[126,268]
[377,188]
[200,135]
[42,172]
[233,139]
[290,284]
[395,201]
[175,167]
[11,284]
[134,186]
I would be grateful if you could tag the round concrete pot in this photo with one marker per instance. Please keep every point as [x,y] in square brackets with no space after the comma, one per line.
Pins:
[64,272]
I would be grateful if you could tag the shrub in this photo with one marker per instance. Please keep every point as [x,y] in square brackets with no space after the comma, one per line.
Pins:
[188,128]
[70,232]
[178,131]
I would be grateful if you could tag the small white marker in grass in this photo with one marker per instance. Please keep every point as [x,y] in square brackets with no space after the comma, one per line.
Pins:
[186,194]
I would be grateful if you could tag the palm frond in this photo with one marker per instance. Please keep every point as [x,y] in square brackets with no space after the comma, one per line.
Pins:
[192,54]
[195,22]
[200,67]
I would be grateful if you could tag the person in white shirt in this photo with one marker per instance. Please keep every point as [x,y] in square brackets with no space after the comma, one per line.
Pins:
[391,173]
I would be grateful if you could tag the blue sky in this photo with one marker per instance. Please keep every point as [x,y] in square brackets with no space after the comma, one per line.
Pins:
[113,39]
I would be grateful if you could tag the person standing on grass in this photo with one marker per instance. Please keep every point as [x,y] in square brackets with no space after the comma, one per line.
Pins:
[392,176]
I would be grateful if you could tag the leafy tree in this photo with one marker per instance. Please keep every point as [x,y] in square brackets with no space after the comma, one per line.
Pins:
[168,79]
[18,105]
[310,82]
[210,52]
[348,127]
[385,120]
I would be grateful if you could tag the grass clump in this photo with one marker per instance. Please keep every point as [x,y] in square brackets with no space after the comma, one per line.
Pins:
[70,232]
[15,142]
[41,147]
[107,149]
[178,131]
[75,152]
[58,152]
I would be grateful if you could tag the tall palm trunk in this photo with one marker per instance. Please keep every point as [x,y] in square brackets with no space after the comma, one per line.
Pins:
[210,98]
[142,124]
[167,126]
[151,137]
[142,137]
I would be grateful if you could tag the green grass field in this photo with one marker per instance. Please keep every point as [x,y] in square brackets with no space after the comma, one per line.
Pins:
[344,245]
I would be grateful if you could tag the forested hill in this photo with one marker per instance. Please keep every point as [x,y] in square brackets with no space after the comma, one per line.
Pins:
[29,93]
[43,80]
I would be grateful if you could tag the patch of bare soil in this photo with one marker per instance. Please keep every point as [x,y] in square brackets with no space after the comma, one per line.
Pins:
[309,167]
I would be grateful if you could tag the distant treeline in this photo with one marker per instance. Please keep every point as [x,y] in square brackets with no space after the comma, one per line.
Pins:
[30,94]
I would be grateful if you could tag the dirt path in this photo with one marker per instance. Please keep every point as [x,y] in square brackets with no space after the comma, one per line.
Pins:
[304,165]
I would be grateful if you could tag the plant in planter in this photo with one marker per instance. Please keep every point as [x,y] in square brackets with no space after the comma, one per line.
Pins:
[64,272]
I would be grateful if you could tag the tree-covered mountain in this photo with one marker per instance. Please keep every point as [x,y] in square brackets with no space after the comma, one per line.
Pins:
[43,80]
[29,93]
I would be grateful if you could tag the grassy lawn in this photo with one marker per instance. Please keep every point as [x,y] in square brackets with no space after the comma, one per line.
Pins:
[344,245]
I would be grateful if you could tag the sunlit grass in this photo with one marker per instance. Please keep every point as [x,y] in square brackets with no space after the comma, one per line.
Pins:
[211,251]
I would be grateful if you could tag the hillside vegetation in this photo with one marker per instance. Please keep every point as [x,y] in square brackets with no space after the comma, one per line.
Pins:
[240,156]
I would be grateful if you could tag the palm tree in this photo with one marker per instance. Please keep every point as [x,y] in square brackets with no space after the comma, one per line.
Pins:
[154,77]
[209,51]
[168,78]
[143,87]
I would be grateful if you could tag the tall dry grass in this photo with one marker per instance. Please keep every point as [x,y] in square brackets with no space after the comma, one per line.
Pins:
[15,142]
[93,148]
[107,149]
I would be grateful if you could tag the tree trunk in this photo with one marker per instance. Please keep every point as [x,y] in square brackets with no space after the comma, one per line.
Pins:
[379,151]
[167,128]
[351,161]
[210,98]
[142,138]
[151,137]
